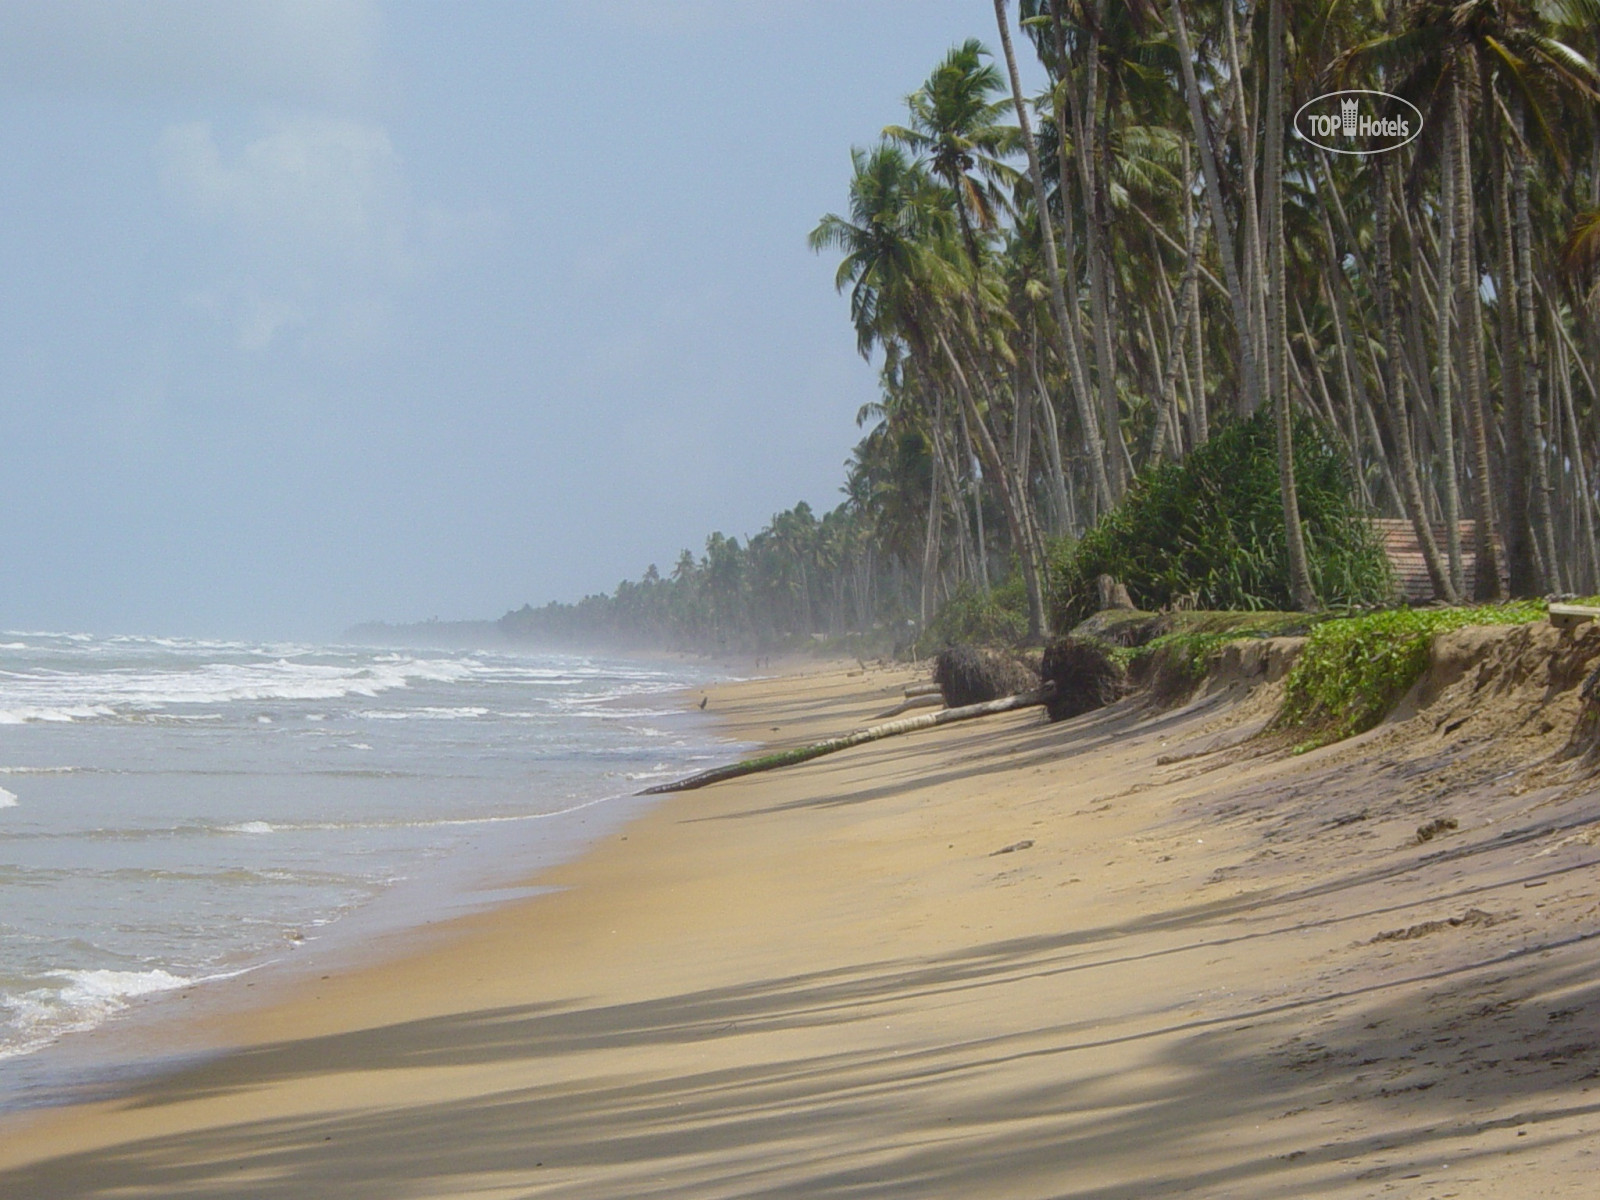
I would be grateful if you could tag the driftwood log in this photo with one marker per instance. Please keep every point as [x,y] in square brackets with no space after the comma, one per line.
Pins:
[929,688]
[872,733]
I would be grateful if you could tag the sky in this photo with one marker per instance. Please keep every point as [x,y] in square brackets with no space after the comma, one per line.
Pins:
[322,312]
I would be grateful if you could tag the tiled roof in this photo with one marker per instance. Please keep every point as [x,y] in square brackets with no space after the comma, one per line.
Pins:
[1405,557]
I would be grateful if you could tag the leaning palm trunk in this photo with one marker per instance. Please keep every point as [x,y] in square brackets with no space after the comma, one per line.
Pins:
[1249,379]
[1168,392]
[1065,307]
[1255,254]
[1016,518]
[1060,496]
[1300,588]
[1585,498]
[1521,559]
[930,546]
[1094,245]
[1066,317]
[859,737]
[1447,436]
[1535,428]
[1487,547]
[1399,421]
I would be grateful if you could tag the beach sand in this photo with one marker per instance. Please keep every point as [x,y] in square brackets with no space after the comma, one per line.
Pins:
[1135,954]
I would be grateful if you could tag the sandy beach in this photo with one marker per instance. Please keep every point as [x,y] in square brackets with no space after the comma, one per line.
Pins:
[1139,953]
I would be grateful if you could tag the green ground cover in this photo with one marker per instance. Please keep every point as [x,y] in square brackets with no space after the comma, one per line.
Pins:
[1354,670]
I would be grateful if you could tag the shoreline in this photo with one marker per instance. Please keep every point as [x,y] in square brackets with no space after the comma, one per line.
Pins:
[152,1034]
[1129,954]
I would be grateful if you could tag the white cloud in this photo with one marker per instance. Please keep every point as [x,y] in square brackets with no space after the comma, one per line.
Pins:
[325,184]
[316,219]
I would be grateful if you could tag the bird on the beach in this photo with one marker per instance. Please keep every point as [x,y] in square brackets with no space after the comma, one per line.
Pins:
[703,700]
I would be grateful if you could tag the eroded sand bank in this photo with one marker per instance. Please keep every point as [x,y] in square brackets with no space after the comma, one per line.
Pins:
[1134,954]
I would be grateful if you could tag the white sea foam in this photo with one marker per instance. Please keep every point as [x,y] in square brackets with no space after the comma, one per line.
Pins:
[423,714]
[56,695]
[75,712]
[82,1000]
[250,827]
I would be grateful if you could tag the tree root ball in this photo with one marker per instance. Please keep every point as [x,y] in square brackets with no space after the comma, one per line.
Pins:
[967,675]
[1085,675]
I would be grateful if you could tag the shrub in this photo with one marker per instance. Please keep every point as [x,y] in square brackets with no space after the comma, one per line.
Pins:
[1353,671]
[971,616]
[1211,527]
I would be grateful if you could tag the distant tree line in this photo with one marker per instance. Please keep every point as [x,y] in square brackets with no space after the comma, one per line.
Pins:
[1063,291]
[798,576]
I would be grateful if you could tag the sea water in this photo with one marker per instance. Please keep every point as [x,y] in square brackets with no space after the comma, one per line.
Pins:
[175,811]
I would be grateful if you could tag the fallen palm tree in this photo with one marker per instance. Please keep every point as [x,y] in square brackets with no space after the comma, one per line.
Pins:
[967,675]
[923,700]
[1083,676]
[871,733]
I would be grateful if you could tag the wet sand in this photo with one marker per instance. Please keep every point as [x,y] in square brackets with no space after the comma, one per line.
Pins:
[1135,954]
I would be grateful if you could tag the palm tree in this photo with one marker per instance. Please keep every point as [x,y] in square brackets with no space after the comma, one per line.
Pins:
[1221,225]
[1503,51]
[954,126]
[954,123]
[1277,326]
[1093,444]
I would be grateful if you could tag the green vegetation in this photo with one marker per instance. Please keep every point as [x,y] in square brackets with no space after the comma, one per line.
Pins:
[1072,296]
[1173,652]
[1353,671]
[973,617]
[1187,657]
[1211,528]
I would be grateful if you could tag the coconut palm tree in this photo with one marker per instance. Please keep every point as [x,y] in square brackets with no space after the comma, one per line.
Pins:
[955,127]
[1093,443]
[1277,348]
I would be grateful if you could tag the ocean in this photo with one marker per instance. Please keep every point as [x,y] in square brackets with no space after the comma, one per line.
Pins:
[178,811]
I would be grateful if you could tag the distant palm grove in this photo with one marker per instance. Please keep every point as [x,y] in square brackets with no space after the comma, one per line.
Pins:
[1065,291]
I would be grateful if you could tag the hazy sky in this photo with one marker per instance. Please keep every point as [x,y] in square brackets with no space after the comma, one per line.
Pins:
[320,312]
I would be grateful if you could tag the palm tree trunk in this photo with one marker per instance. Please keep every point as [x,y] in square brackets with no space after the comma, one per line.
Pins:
[1585,499]
[1038,621]
[1168,393]
[1352,374]
[1470,313]
[1300,589]
[1199,427]
[1255,265]
[1052,444]
[1249,377]
[1536,431]
[1095,249]
[1447,436]
[1068,306]
[1066,318]
[930,544]
[1399,422]
[975,495]
[1521,556]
